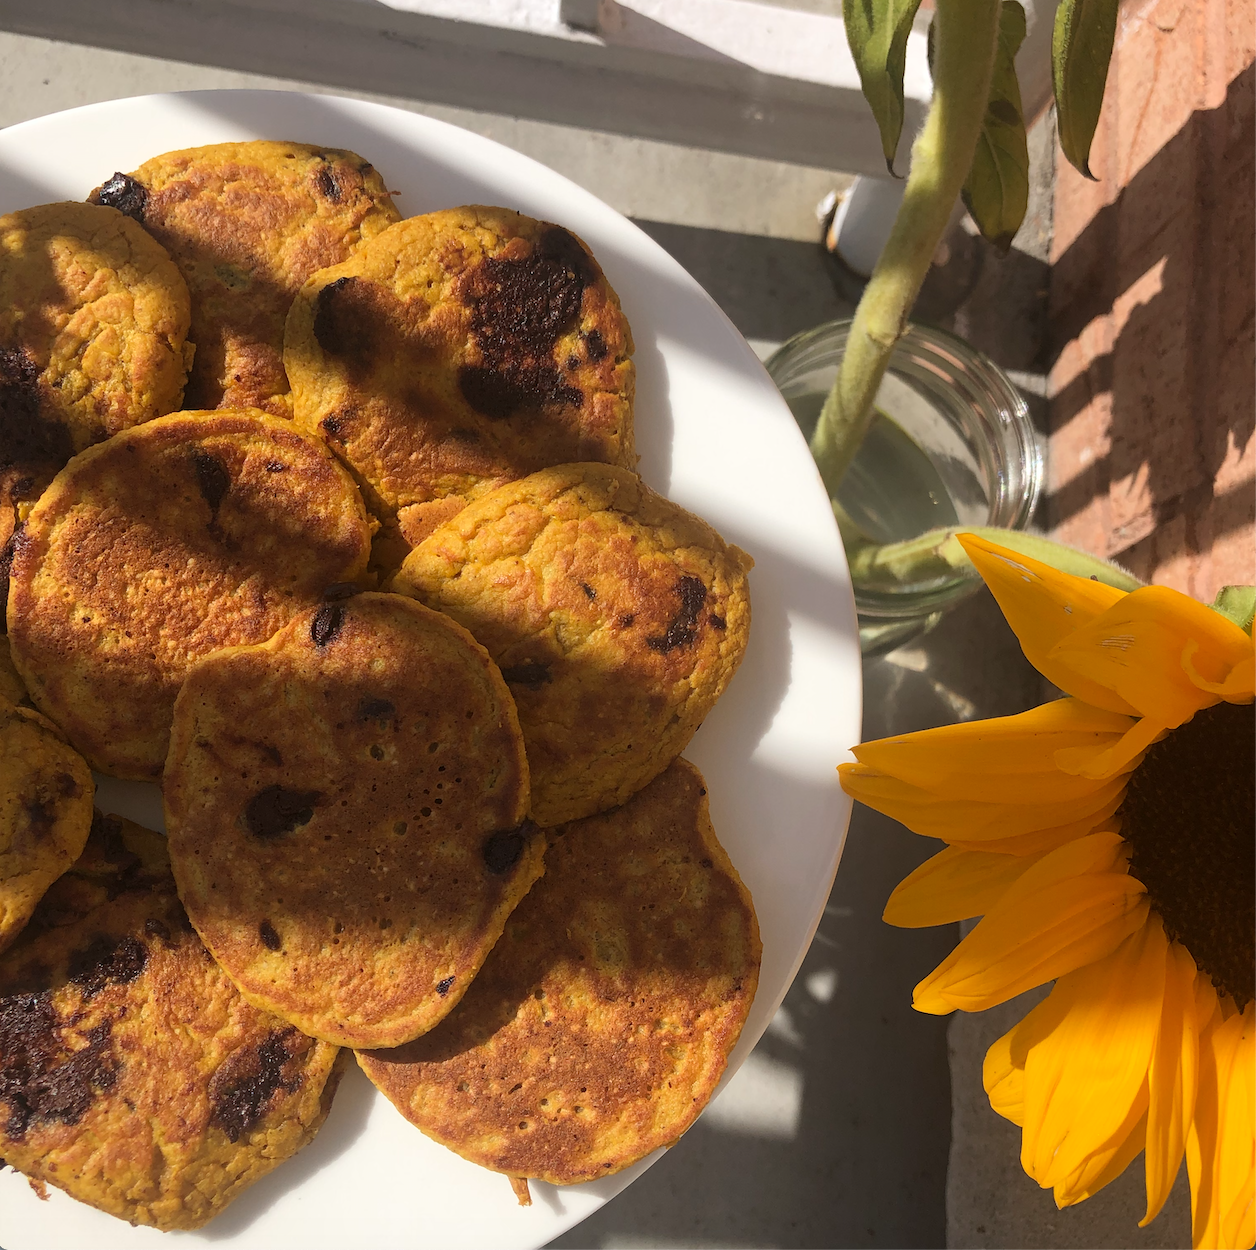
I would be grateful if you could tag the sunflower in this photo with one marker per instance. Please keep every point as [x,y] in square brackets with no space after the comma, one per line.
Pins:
[1106,840]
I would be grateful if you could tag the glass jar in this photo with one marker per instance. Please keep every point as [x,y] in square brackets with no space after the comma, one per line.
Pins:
[951,444]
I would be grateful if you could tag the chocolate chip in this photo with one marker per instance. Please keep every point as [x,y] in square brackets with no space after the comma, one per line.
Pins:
[443,987]
[595,345]
[211,477]
[107,961]
[328,187]
[326,624]
[241,1090]
[270,939]
[125,194]
[276,466]
[376,709]
[503,848]
[683,628]
[275,811]
[330,426]
[589,592]
[626,620]
[717,622]
[530,673]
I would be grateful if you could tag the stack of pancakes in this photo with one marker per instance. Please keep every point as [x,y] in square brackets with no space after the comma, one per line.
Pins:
[327,522]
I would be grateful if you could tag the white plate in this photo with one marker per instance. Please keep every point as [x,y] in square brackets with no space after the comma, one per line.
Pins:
[715,436]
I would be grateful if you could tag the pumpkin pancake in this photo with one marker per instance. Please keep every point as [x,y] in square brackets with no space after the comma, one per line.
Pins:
[456,351]
[247,224]
[616,617]
[193,532]
[346,809]
[600,1024]
[45,812]
[132,1074]
[93,328]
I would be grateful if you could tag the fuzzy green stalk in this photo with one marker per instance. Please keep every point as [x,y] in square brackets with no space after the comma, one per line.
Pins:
[966,34]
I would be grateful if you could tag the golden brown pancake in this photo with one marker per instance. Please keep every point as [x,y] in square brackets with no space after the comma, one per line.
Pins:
[45,812]
[600,1024]
[247,224]
[93,327]
[456,351]
[193,532]
[346,809]
[616,617]
[132,1075]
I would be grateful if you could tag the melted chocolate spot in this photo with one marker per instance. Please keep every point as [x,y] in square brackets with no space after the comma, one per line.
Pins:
[595,345]
[107,961]
[683,628]
[241,1090]
[503,848]
[41,814]
[270,939]
[39,1080]
[330,426]
[32,440]
[328,187]
[341,590]
[376,709]
[275,811]
[519,308]
[626,620]
[717,622]
[443,987]
[589,592]
[126,195]
[276,466]
[530,673]
[327,623]
[211,477]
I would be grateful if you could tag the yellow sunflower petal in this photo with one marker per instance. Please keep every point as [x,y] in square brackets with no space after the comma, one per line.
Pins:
[1220,1151]
[971,819]
[1239,685]
[1003,1072]
[1044,606]
[997,759]
[1082,1081]
[1123,756]
[1104,1165]
[1136,650]
[1042,840]
[1171,1079]
[1074,905]
[953,885]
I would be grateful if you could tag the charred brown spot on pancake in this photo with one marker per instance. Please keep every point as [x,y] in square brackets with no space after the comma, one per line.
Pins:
[269,938]
[212,478]
[376,709]
[683,629]
[589,592]
[240,1092]
[532,674]
[717,622]
[32,441]
[107,961]
[39,1079]
[275,811]
[125,194]
[326,624]
[519,308]
[503,848]
[40,815]
[443,987]
[331,426]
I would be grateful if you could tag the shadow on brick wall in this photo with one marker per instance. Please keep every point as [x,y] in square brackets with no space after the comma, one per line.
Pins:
[1171,261]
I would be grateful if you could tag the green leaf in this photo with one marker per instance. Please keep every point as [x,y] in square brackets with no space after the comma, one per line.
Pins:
[877,32]
[997,190]
[1081,47]
[1238,603]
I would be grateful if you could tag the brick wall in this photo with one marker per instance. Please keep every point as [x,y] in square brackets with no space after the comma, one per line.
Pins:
[1153,385]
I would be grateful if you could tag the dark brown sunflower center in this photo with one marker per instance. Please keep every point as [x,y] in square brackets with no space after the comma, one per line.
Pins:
[1190,815]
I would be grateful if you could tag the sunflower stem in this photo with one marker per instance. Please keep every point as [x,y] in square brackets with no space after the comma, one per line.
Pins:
[965,40]
[938,554]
